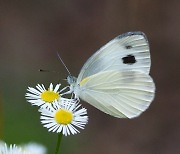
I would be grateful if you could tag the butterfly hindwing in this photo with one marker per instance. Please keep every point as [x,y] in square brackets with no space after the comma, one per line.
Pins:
[122,94]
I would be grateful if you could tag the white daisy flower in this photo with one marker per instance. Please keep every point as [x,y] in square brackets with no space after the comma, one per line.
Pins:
[43,97]
[65,117]
[31,148]
[12,149]
[34,148]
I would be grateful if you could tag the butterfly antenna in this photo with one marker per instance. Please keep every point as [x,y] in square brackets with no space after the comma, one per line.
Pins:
[63,63]
[42,70]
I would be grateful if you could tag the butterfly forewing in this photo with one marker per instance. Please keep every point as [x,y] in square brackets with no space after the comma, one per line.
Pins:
[129,51]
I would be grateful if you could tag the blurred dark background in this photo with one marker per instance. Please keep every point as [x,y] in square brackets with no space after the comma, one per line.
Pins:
[32,31]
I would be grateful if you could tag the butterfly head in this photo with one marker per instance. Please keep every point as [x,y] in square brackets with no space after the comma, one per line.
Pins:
[71,79]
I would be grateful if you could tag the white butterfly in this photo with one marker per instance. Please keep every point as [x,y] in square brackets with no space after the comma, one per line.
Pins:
[116,78]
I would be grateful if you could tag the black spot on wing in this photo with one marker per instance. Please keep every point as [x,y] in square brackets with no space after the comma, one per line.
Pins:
[128,46]
[129,59]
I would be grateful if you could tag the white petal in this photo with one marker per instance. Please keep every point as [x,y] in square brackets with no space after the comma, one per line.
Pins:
[57,87]
[51,87]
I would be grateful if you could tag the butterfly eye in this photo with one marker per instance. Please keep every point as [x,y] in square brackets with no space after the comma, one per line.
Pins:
[129,59]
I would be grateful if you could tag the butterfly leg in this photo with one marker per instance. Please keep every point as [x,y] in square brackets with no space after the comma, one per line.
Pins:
[67,92]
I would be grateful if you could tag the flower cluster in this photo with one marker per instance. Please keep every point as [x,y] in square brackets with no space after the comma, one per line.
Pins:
[58,114]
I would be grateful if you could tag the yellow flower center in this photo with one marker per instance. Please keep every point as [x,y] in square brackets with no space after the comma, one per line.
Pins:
[63,116]
[49,96]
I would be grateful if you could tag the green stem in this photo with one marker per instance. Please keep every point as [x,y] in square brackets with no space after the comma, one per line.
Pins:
[58,143]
